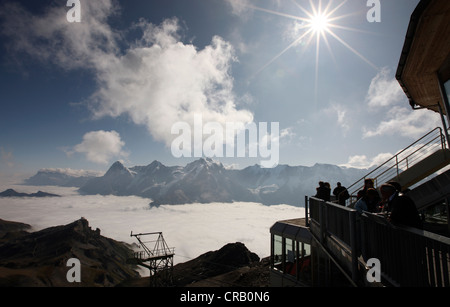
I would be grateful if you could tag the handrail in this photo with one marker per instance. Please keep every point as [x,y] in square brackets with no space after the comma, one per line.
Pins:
[408,256]
[436,140]
[340,222]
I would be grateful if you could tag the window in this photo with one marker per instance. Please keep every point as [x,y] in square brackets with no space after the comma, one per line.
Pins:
[436,213]
[436,217]
[291,257]
[290,251]
[277,251]
[306,250]
[447,89]
[304,262]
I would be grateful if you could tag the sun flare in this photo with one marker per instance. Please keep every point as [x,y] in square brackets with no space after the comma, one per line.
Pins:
[319,23]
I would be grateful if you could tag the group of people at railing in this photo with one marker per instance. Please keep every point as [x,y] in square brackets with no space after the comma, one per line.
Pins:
[388,201]
[340,193]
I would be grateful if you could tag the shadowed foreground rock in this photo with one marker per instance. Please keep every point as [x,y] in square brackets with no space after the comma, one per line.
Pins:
[40,258]
[231,266]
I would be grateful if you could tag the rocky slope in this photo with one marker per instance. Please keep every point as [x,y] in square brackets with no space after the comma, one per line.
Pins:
[9,229]
[231,266]
[40,258]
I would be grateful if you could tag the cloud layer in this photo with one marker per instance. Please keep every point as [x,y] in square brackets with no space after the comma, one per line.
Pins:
[192,229]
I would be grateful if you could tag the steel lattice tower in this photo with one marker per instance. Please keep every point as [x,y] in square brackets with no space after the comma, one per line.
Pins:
[159,259]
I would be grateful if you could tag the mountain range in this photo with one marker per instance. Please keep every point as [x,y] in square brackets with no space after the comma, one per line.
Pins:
[61,177]
[206,181]
[14,193]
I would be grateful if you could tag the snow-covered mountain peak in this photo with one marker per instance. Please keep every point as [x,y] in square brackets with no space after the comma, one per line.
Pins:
[204,163]
[118,169]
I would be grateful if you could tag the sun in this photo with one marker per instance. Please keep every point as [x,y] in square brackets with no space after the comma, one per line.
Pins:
[319,23]
[316,26]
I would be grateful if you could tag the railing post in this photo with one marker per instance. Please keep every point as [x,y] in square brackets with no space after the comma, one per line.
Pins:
[362,241]
[353,245]
[306,211]
[321,221]
[447,138]
[396,163]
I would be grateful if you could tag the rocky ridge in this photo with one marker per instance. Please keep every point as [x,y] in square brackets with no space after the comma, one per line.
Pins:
[39,259]
[14,193]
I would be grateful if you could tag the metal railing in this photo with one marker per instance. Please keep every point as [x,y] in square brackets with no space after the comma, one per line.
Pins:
[332,218]
[142,255]
[414,153]
[408,256]
[338,222]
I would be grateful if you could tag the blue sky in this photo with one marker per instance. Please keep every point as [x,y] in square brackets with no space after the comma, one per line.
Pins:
[83,95]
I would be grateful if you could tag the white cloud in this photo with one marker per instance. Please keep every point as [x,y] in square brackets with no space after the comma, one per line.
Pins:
[101,146]
[339,111]
[386,100]
[357,161]
[363,162]
[239,7]
[404,122]
[243,8]
[287,133]
[384,91]
[52,39]
[169,82]
[403,158]
[157,81]
[73,172]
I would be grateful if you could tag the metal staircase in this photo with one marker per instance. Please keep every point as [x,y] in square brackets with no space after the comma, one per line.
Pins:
[416,162]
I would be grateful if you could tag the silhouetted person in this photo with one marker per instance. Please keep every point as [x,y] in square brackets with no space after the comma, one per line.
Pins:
[328,191]
[368,183]
[341,194]
[323,192]
[396,185]
[401,208]
[368,202]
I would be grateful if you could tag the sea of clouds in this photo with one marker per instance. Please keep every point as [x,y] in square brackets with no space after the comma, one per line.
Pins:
[192,229]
